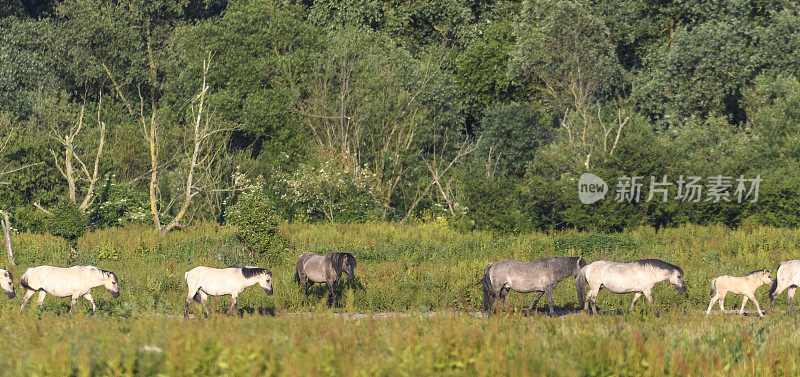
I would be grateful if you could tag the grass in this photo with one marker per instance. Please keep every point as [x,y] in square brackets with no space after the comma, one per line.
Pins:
[414,269]
[450,344]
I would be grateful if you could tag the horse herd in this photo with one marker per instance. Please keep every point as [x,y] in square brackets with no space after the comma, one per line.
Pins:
[541,276]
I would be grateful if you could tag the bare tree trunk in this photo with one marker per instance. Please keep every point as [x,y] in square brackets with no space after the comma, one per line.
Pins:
[199,156]
[6,224]
[69,171]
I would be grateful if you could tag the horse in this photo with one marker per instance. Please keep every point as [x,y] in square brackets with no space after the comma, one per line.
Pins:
[204,281]
[541,276]
[744,285]
[75,281]
[7,283]
[786,276]
[314,268]
[639,276]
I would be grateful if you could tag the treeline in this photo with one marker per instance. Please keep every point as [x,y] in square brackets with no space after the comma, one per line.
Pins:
[485,113]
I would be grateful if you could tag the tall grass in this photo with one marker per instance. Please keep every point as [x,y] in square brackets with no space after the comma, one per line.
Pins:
[450,344]
[409,268]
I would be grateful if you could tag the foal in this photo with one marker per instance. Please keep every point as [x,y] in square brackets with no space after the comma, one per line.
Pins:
[745,285]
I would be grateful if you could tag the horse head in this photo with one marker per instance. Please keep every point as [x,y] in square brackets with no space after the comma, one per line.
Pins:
[265,282]
[676,279]
[765,277]
[7,283]
[345,262]
[111,283]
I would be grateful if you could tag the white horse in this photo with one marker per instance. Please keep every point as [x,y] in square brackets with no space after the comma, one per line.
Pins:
[204,281]
[7,283]
[639,276]
[740,285]
[787,276]
[75,281]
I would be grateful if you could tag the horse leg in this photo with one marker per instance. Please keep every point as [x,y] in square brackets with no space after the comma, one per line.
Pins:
[635,297]
[489,304]
[28,294]
[189,298]
[503,294]
[204,302]
[722,301]
[710,304]
[550,300]
[331,293]
[591,299]
[232,309]
[790,297]
[534,302]
[186,307]
[778,290]
[40,300]
[72,303]
[744,302]
[88,296]
[758,307]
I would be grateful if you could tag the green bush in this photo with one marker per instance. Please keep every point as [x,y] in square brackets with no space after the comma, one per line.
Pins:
[257,222]
[66,221]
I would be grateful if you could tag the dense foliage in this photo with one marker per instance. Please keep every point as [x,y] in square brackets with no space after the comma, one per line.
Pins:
[485,113]
[66,221]
[256,222]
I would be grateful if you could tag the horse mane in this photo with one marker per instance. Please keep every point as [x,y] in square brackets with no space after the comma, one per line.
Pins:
[340,259]
[658,263]
[251,271]
[756,272]
[100,270]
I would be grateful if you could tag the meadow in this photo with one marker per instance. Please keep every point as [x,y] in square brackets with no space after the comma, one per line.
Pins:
[414,269]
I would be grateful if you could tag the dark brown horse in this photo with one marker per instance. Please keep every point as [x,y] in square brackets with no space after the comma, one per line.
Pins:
[314,268]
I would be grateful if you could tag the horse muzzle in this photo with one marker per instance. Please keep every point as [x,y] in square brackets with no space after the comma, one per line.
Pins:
[269,291]
[11,294]
[115,294]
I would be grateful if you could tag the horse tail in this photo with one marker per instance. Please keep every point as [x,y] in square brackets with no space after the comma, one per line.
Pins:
[486,283]
[580,282]
[23,281]
[713,286]
[774,286]
[581,263]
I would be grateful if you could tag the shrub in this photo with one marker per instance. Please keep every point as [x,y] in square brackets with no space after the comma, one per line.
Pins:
[66,221]
[257,222]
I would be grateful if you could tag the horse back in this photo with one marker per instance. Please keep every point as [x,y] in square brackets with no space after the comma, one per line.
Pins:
[34,277]
[788,270]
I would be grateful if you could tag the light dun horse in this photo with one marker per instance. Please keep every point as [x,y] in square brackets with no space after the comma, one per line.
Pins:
[639,276]
[541,276]
[786,276]
[204,281]
[75,281]
[7,283]
[314,268]
[744,285]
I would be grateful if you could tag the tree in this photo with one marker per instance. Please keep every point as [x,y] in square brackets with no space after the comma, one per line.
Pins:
[66,136]
[203,151]
[366,101]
